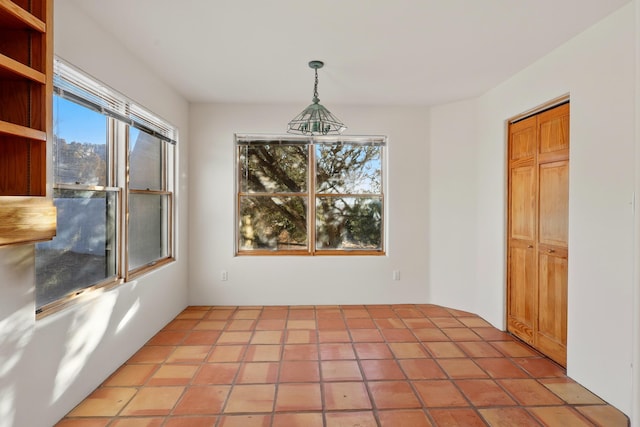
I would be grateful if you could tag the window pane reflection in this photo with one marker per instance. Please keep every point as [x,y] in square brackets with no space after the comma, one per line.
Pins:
[148,219]
[83,252]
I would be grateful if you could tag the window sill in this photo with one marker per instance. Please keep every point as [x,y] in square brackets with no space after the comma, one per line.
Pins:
[26,219]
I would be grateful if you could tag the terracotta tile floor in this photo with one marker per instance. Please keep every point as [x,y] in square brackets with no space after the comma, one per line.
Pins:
[338,366]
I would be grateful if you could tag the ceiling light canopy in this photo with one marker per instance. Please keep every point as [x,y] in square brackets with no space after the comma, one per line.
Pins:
[315,119]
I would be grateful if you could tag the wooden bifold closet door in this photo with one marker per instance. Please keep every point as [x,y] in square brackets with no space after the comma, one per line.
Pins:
[538,220]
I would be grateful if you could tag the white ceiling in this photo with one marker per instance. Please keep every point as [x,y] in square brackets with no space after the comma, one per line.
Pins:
[380,52]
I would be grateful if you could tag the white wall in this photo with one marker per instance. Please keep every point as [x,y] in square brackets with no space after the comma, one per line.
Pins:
[453,205]
[48,366]
[597,69]
[307,280]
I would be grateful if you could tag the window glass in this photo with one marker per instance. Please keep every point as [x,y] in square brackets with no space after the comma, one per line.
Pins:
[84,250]
[273,168]
[145,160]
[348,168]
[348,223]
[148,219]
[307,196]
[273,223]
[79,144]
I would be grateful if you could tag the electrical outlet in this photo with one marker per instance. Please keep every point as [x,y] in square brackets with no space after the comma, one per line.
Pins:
[224,276]
[396,274]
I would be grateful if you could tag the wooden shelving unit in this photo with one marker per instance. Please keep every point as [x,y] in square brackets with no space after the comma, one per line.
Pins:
[26,86]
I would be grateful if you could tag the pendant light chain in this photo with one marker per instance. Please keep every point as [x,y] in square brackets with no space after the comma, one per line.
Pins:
[315,89]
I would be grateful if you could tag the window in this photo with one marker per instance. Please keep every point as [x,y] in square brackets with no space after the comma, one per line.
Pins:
[318,196]
[113,180]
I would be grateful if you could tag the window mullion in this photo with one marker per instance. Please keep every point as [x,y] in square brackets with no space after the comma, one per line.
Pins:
[311,201]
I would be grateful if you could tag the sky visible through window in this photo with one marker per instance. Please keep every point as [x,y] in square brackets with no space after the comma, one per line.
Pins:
[75,123]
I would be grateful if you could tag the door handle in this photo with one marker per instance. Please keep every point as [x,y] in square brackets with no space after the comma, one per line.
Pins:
[529,246]
[551,251]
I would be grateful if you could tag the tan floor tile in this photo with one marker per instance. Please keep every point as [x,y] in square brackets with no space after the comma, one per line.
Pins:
[274,314]
[571,392]
[234,337]
[418,323]
[398,335]
[384,369]
[559,416]
[245,421]
[267,337]
[153,401]
[270,324]
[227,353]
[530,392]
[258,373]
[514,349]
[301,324]
[351,419]
[220,314]
[210,325]
[106,401]
[251,398]
[192,314]
[302,314]
[191,421]
[461,368]
[355,313]
[439,394]
[408,350]
[382,313]
[366,335]
[301,337]
[346,396]
[181,324]
[331,324]
[404,417]
[240,325]
[474,322]
[299,371]
[422,369]
[508,417]
[393,395]
[484,393]
[247,314]
[340,370]
[461,334]
[373,351]
[173,375]
[216,373]
[201,338]
[333,336]
[168,338]
[263,353]
[446,322]
[501,368]
[540,367]
[430,334]
[138,422]
[456,418]
[151,354]
[492,334]
[300,352]
[298,420]
[199,400]
[604,416]
[478,349]
[83,422]
[131,375]
[395,323]
[361,323]
[299,397]
[189,354]
[336,351]
[444,349]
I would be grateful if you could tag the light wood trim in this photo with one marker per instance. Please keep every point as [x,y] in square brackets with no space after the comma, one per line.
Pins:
[19,69]
[540,108]
[22,131]
[13,16]
[26,219]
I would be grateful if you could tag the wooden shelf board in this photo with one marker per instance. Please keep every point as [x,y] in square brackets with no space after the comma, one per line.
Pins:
[26,220]
[22,131]
[13,16]
[11,67]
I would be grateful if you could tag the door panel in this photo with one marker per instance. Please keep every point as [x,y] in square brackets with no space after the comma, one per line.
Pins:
[552,303]
[523,203]
[554,203]
[522,296]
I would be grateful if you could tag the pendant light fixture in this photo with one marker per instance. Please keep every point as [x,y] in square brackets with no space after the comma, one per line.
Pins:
[315,119]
